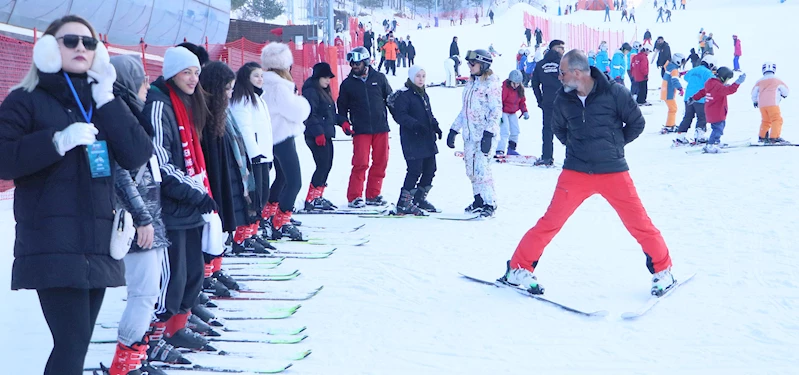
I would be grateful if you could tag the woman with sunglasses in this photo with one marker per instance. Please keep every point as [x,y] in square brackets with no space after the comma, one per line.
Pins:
[64,189]
[479,121]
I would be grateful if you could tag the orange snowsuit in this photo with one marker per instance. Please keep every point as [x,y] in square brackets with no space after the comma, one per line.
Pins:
[391,50]
[767,93]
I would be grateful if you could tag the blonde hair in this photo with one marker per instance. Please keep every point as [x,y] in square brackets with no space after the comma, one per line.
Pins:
[283,73]
[31,79]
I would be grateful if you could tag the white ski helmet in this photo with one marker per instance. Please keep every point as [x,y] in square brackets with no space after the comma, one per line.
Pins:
[636,45]
[678,57]
[769,67]
[709,61]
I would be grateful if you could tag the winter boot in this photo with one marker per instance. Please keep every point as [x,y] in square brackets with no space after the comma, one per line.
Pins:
[284,226]
[777,141]
[405,205]
[420,198]
[250,245]
[711,149]
[203,299]
[198,325]
[512,148]
[376,201]
[127,359]
[499,154]
[662,282]
[206,315]
[668,129]
[521,278]
[264,243]
[159,350]
[357,203]
[476,206]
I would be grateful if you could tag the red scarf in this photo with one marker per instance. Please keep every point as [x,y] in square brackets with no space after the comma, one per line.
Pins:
[192,151]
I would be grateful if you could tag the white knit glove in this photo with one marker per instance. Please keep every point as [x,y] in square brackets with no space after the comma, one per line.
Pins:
[77,134]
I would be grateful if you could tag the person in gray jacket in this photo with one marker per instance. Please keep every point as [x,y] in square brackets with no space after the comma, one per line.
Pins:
[138,191]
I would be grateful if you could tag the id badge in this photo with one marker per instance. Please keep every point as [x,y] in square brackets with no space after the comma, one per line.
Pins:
[99,162]
[155,168]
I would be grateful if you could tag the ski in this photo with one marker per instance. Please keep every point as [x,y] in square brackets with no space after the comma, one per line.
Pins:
[653,301]
[320,228]
[293,339]
[200,368]
[294,357]
[328,242]
[228,261]
[462,217]
[295,272]
[253,267]
[773,144]
[243,295]
[724,147]
[293,256]
[599,313]
[340,211]
[269,310]
[265,278]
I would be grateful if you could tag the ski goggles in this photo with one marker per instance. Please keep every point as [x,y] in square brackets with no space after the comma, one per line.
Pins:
[472,57]
[71,41]
[354,57]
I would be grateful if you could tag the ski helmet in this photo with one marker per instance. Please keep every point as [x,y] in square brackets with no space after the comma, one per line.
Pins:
[678,58]
[626,47]
[769,67]
[591,53]
[637,45]
[725,74]
[515,76]
[709,61]
[480,56]
[521,51]
[358,54]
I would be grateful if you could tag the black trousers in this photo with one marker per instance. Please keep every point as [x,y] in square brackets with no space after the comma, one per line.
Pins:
[323,157]
[392,66]
[694,110]
[547,135]
[410,61]
[421,171]
[70,313]
[288,178]
[183,281]
[261,176]
[643,88]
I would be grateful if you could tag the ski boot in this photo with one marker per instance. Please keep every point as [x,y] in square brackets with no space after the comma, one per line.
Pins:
[476,206]
[203,299]
[127,360]
[662,282]
[487,211]
[700,136]
[499,154]
[250,245]
[274,233]
[405,205]
[681,140]
[321,196]
[762,140]
[315,202]
[225,279]
[159,350]
[522,279]
[357,203]
[778,141]
[285,228]
[543,163]
[198,325]
[711,149]
[376,201]
[420,198]
[206,315]
[668,129]
[512,149]
[263,242]
[213,286]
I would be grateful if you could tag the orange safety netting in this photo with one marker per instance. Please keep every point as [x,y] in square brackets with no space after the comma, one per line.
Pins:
[576,36]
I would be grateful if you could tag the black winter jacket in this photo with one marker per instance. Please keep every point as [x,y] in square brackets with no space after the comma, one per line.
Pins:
[453,49]
[64,216]
[545,76]
[411,51]
[595,134]
[363,104]
[180,194]
[224,177]
[411,110]
[664,54]
[323,118]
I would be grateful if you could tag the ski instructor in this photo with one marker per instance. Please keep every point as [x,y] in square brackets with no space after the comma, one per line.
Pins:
[594,118]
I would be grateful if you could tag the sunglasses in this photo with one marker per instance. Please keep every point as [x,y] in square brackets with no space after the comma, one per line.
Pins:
[71,41]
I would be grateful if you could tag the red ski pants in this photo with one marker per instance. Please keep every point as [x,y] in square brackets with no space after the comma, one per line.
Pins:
[575,187]
[362,146]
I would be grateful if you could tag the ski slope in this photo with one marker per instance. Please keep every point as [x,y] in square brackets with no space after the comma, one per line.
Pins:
[398,306]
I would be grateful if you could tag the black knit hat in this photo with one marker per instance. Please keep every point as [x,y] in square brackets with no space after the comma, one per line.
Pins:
[322,70]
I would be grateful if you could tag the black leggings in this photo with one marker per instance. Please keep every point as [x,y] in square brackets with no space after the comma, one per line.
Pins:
[185,274]
[323,157]
[261,176]
[70,313]
[288,177]
[421,170]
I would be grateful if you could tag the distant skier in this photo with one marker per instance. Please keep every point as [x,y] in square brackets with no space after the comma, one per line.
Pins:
[660,15]
[631,16]
[607,13]
[618,66]
[766,95]
[513,101]
[602,58]
[737,45]
[715,93]
[529,35]
[491,16]
[640,69]
[648,37]
[695,59]
[539,36]
[670,86]
[493,51]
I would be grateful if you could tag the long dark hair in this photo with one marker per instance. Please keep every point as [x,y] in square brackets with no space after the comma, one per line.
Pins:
[214,77]
[519,89]
[244,88]
[195,104]
[324,92]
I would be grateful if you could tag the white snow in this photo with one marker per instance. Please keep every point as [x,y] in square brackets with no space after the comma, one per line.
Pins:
[398,306]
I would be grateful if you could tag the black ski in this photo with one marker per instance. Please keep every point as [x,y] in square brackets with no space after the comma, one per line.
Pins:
[274,370]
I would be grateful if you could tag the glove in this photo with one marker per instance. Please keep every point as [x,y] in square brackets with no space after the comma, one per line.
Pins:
[347,128]
[682,92]
[755,104]
[526,115]
[451,138]
[103,88]
[321,140]
[683,73]
[438,131]
[77,134]
[207,205]
[485,143]
[258,159]
[741,79]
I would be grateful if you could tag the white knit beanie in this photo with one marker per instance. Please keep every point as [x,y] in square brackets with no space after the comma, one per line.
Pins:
[176,59]
[413,70]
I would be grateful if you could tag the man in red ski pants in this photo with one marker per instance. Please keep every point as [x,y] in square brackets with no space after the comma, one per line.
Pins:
[362,103]
[595,119]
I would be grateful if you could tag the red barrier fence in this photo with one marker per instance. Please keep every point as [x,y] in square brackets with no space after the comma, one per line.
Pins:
[580,36]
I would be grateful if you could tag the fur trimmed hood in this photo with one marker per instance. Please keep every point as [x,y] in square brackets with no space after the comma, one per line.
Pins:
[276,56]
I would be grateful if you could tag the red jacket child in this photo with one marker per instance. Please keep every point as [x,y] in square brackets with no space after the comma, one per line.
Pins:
[715,93]
[640,67]
[511,102]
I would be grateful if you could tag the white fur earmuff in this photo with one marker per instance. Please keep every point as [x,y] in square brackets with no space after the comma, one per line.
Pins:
[46,55]
[101,58]
[276,56]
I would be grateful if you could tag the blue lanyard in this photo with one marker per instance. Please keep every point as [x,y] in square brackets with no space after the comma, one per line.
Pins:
[87,116]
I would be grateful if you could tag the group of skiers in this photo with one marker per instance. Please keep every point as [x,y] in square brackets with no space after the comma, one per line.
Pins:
[392,52]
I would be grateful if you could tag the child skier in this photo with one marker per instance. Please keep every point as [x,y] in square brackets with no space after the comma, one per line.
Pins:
[696,78]
[602,59]
[479,121]
[592,58]
[671,85]
[410,107]
[766,95]
[715,93]
[513,100]
[618,66]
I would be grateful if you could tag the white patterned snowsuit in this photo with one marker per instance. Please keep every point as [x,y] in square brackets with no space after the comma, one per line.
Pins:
[482,111]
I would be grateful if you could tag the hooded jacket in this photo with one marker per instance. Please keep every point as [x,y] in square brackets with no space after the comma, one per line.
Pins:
[482,107]
[715,92]
[63,215]
[287,110]
[696,78]
[511,102]
[671,76]
[545,80]
[640,67]
[412,111]
[618,66]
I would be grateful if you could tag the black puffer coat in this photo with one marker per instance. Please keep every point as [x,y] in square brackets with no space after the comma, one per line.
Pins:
[363,104]
[545,80]
[64,216]
[411,110]
[323,118]
[595,134]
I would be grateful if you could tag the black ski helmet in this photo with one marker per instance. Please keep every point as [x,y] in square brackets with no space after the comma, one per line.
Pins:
[480,56]
[724,73]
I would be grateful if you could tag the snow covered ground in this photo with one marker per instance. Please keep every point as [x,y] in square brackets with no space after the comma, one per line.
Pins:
[398,306]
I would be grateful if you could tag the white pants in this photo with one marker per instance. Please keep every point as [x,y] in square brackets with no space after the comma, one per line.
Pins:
[478,169]
[449,68]
[143,277]
[508,131]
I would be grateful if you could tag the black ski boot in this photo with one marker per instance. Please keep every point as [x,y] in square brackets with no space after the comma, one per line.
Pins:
[376,201]
[487,210]
[206,315]
[405,205]
[420,198]
[149,369]
[263,242]
[198,325]
[161,351]
[188,339]
[215,287]
[250,245]
[476,206]
[203,299]
[225,279]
